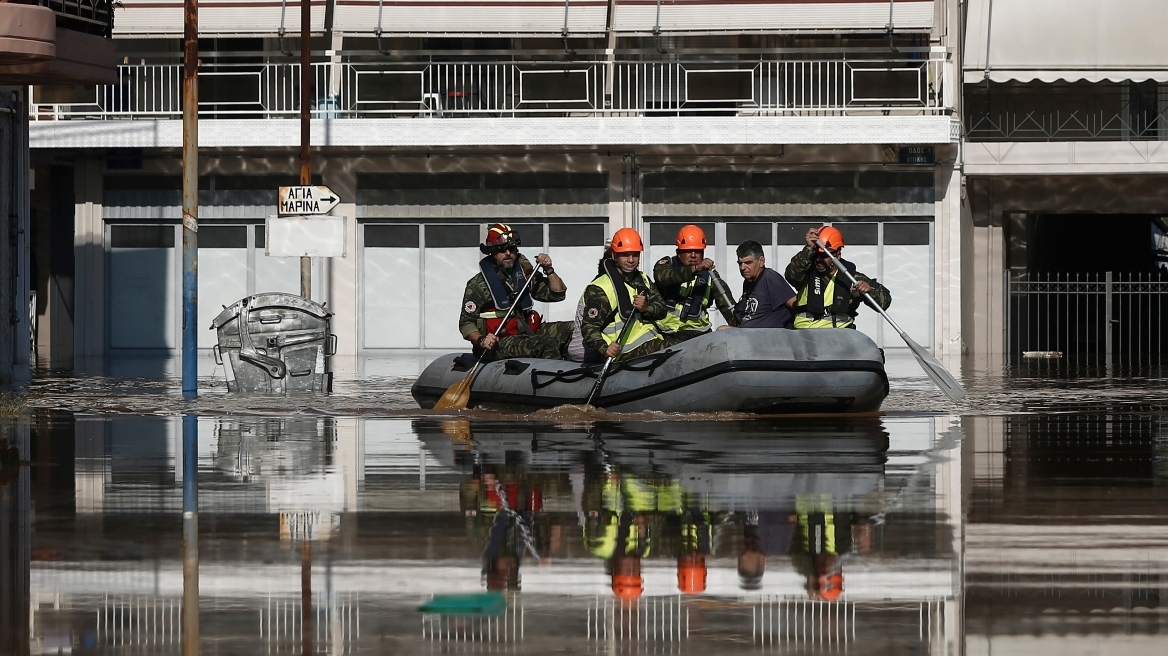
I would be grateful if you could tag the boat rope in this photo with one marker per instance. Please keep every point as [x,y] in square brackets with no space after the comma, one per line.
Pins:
[648,363]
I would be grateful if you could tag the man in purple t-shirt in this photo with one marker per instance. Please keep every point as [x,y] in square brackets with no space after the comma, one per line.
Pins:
[767,298]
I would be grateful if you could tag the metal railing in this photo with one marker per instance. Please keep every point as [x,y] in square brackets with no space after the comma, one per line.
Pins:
[1087,314]
[90,16]
[513,89]
[1067,114]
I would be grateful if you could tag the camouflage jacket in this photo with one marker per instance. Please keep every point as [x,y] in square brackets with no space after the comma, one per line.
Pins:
[670,279]
[477,297]
[598,314]
[799,272]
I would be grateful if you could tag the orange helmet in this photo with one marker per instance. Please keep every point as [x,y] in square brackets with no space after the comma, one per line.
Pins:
[831,586]
[627,587]
[626,240]
[691,574]
[691,238]
[500,236]
[831,238]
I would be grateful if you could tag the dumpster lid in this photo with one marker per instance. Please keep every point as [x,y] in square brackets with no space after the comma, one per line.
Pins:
[268,301]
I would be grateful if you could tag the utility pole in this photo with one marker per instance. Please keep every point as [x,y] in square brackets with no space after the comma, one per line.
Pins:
[305,126]
[306,618]
[190,613]
[190,198]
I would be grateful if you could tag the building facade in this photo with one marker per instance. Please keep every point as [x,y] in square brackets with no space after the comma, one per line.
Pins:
[754,120]
[1065,123]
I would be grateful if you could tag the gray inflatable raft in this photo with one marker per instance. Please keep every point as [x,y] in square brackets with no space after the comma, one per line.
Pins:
[755,370]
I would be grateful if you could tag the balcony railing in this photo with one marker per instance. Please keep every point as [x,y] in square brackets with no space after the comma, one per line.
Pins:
[90,16]
[512,89]
[1114,114]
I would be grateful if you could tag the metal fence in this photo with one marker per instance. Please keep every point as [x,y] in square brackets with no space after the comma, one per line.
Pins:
[509,89]
[1087,314]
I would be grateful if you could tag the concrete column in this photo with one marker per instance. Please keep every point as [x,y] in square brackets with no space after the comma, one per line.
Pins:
[21,317]
[623,208]
[89,254]
[983,260]
[947,335]
[339,280]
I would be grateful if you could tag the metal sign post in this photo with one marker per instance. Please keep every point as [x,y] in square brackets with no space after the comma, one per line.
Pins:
[190,199]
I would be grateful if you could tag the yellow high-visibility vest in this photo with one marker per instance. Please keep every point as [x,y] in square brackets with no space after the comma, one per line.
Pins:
[673,323]
[641,333]
[807,320]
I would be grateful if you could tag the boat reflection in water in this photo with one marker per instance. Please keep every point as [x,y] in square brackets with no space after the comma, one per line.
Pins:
[763,517]
[325,534]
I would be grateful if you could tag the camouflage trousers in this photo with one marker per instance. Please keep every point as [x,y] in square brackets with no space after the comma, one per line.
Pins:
[673,339]
[652,346]
[550,342]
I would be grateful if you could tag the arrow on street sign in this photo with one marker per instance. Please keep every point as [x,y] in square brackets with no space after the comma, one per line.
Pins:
[307,199]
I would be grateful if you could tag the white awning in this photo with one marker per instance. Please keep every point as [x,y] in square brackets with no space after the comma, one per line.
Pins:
[471,17]
[588,17]
[1072,40]
[148,18]
[772,16]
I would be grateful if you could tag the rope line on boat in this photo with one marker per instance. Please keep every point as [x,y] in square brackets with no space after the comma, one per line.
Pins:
[648,363]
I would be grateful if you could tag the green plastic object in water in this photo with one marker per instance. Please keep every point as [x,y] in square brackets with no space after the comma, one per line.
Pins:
[482,603]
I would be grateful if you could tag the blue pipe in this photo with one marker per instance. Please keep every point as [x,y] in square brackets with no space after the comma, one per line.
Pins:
[190,313]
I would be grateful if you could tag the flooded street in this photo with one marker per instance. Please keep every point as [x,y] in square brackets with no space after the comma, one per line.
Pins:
[1031,519]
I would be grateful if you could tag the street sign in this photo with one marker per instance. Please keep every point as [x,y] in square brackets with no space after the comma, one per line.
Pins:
[307,199]
[917,155]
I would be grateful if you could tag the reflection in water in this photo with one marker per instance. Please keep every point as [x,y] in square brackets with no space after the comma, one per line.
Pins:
[813,535]
[1067,540]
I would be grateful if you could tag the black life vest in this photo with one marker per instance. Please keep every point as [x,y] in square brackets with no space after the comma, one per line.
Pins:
[502,297]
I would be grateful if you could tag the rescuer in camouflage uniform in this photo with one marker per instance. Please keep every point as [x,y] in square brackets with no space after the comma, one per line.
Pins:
[681,277]
[485,302]
[601,324]
[836,303]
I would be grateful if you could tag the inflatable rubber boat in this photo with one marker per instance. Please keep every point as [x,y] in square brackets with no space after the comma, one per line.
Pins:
[754,370]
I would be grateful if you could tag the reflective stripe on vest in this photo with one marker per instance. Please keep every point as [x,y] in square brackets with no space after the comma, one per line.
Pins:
[816,521]
[642,332]
[673,322]
[828,320]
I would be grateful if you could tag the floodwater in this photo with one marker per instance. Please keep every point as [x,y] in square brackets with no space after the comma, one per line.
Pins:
[1032,518]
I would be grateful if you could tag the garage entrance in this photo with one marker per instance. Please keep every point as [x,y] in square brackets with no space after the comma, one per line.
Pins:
[1088,284]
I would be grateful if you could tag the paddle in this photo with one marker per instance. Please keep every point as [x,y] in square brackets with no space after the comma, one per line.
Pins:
[620,339]
[939,375]
[458,394]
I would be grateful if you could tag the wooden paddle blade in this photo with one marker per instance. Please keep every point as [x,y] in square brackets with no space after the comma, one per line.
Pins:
[457,395]
[933,369]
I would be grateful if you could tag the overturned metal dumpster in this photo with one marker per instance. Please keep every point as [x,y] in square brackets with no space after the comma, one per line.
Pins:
[275,344]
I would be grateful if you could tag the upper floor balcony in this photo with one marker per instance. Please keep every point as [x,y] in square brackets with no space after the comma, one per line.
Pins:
[56,41]
[587,101]
[1065,88]
[94,17]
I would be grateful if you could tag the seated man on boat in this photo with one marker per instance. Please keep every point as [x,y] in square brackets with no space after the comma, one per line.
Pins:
[766,298]
[493,290]
[685,283]
[822,303]
[611,299]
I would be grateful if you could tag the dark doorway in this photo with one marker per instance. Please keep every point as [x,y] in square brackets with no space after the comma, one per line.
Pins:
[1091,243]
[1092,286]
